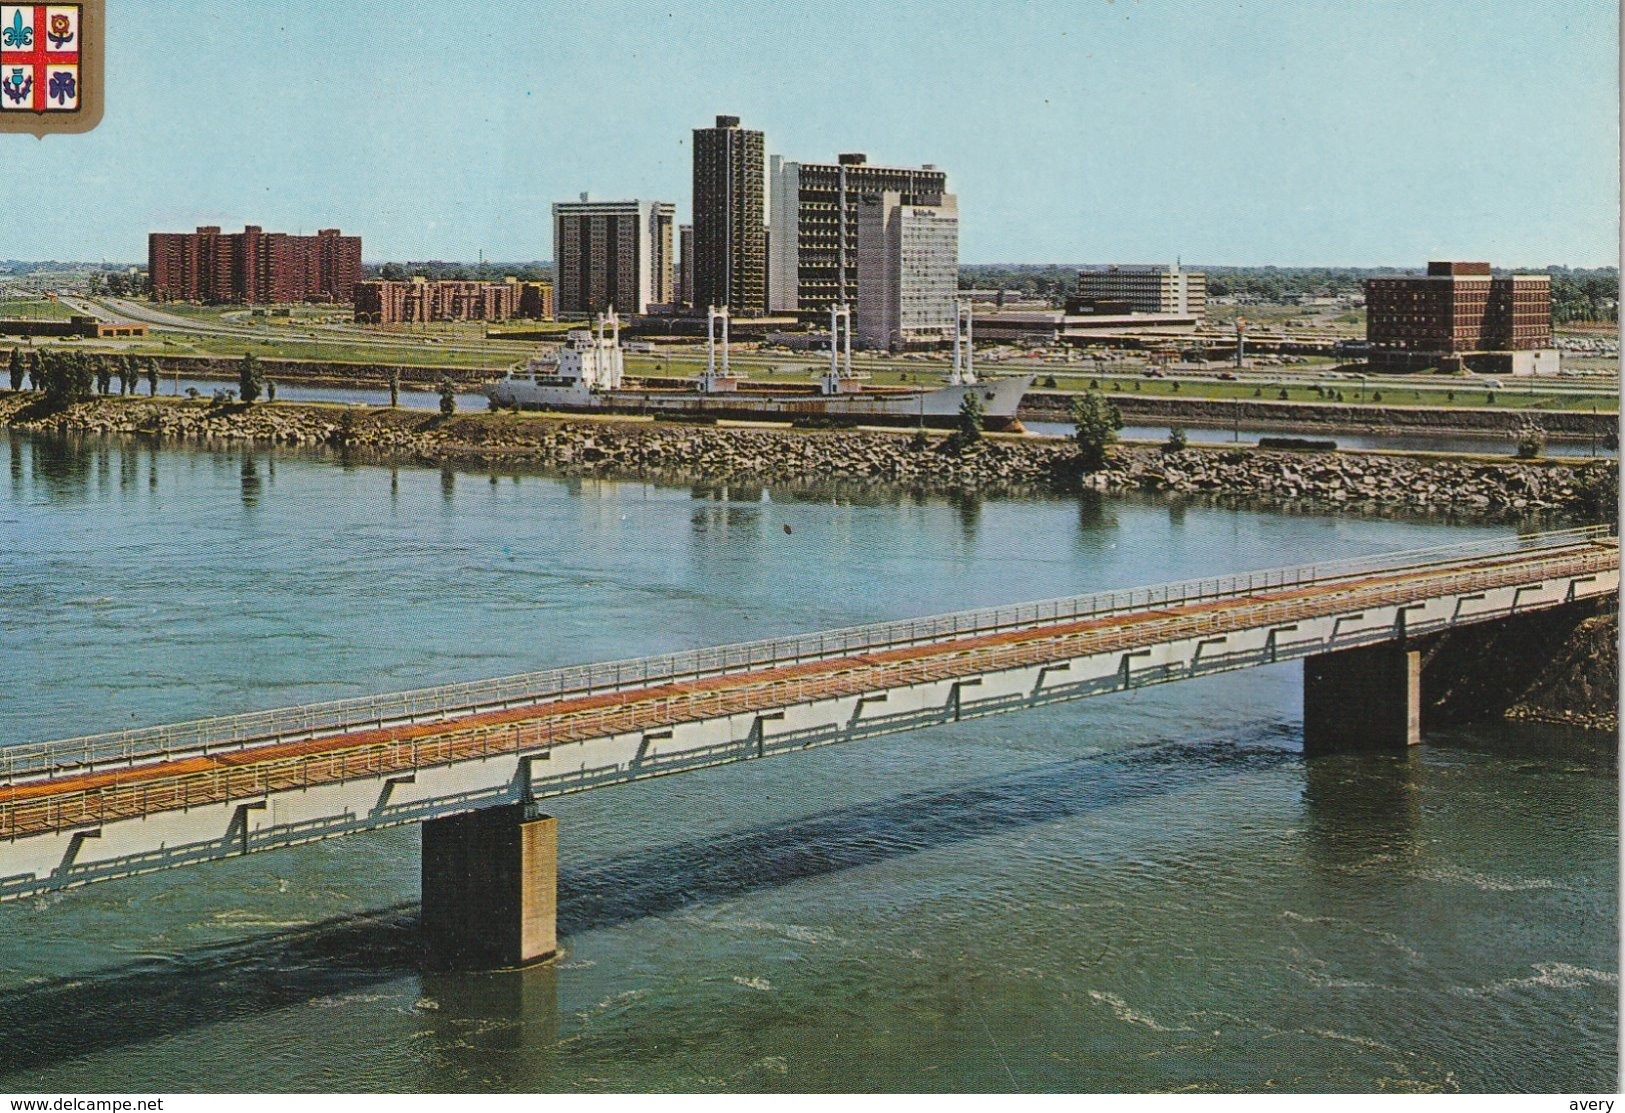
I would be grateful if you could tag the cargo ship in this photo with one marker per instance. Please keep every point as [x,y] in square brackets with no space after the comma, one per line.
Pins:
[588,375]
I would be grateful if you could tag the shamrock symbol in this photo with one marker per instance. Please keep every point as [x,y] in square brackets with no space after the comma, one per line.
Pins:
[61,87]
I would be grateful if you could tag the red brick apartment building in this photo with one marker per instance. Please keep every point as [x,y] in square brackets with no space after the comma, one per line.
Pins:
[405,303]
[1456,310]
[253,266]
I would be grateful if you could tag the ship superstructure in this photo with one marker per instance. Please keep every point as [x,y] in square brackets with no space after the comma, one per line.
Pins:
[588,374]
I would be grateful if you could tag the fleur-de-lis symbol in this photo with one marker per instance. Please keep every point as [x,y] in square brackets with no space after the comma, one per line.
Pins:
[61,87]
[61,32]
[17,35]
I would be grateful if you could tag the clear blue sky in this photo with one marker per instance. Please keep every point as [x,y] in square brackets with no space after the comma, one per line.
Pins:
[1292,132]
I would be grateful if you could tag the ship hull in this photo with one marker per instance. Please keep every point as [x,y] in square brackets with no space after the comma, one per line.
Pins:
[938,407]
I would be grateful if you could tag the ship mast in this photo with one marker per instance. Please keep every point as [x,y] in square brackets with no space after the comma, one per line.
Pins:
[840,321]
[708,384]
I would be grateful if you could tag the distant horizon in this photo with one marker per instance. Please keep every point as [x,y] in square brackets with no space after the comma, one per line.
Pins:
[1287,130]
[963,263]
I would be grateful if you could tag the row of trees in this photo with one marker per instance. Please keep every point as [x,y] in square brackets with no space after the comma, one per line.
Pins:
[438,270]
[117,283]
[1578,294]
[1584,295]
[65,376]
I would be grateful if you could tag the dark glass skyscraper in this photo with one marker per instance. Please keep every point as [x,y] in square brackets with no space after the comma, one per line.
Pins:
[730,236]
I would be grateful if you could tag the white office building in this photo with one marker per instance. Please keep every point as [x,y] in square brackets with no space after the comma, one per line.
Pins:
[907,270]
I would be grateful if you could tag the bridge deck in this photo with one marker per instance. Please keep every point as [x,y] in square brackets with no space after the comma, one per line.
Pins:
[67,799]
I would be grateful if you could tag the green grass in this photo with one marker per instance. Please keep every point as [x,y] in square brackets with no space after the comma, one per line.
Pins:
[211,314]
[1474,396]
[496,358]
[33,309]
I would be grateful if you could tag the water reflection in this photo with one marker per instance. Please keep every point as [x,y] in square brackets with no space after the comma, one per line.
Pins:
[250,481]
[1097,518]
[967,506]
[502,1010]
[1360,807]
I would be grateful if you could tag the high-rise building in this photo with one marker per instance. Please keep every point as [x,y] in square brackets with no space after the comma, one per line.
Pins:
[1141,289]
[730,238]
[685,265]
[1455,310]
[907,270]
[814,230]
[253,266]
[611,254]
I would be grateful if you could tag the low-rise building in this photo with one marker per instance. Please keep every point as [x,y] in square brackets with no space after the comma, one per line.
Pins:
[76,325]
[1118,289]
[420,301]
[1459,314]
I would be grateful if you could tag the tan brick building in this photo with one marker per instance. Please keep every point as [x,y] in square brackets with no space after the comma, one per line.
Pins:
[419,301]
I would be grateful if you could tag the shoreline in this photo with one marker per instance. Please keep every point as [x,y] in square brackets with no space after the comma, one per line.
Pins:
[1425,483]
[1318,418]
[1039,404]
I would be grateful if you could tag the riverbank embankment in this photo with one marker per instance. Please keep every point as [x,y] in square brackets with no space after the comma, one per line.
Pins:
[632,447]
[1321,418]
[1558,666]
[1313,418]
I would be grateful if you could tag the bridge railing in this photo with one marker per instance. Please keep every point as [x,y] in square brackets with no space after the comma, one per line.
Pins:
[450,700]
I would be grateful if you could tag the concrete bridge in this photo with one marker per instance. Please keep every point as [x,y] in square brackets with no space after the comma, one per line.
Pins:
[472,761]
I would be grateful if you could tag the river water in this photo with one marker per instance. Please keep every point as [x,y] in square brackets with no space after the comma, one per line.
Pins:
[1146,891]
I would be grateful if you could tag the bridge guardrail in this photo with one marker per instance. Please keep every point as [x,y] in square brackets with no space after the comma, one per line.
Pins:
[444,701]
[390,753]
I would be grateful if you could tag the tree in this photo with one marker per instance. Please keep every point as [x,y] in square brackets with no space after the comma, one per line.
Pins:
[36,372]
[1176,440]
[82,378]
[394,387]
[270,390]
[132,374]
[250,379]
[1531,440]
[16,369]
[67,377]
[448,397]
[392,272]
[152,377]
[104,377]
[118,370]
[1097,421]
[969,430]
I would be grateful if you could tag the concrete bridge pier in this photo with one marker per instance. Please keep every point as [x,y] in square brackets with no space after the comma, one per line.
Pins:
[1369,698]
[490,889]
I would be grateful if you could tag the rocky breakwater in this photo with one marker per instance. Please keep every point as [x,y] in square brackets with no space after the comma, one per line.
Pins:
[1349,477]
[171,420]
[733,454]
[771,455]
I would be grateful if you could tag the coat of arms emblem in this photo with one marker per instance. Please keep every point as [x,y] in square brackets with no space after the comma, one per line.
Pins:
[50,67]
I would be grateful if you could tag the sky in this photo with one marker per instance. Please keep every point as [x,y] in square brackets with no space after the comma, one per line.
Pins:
[1225,132]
